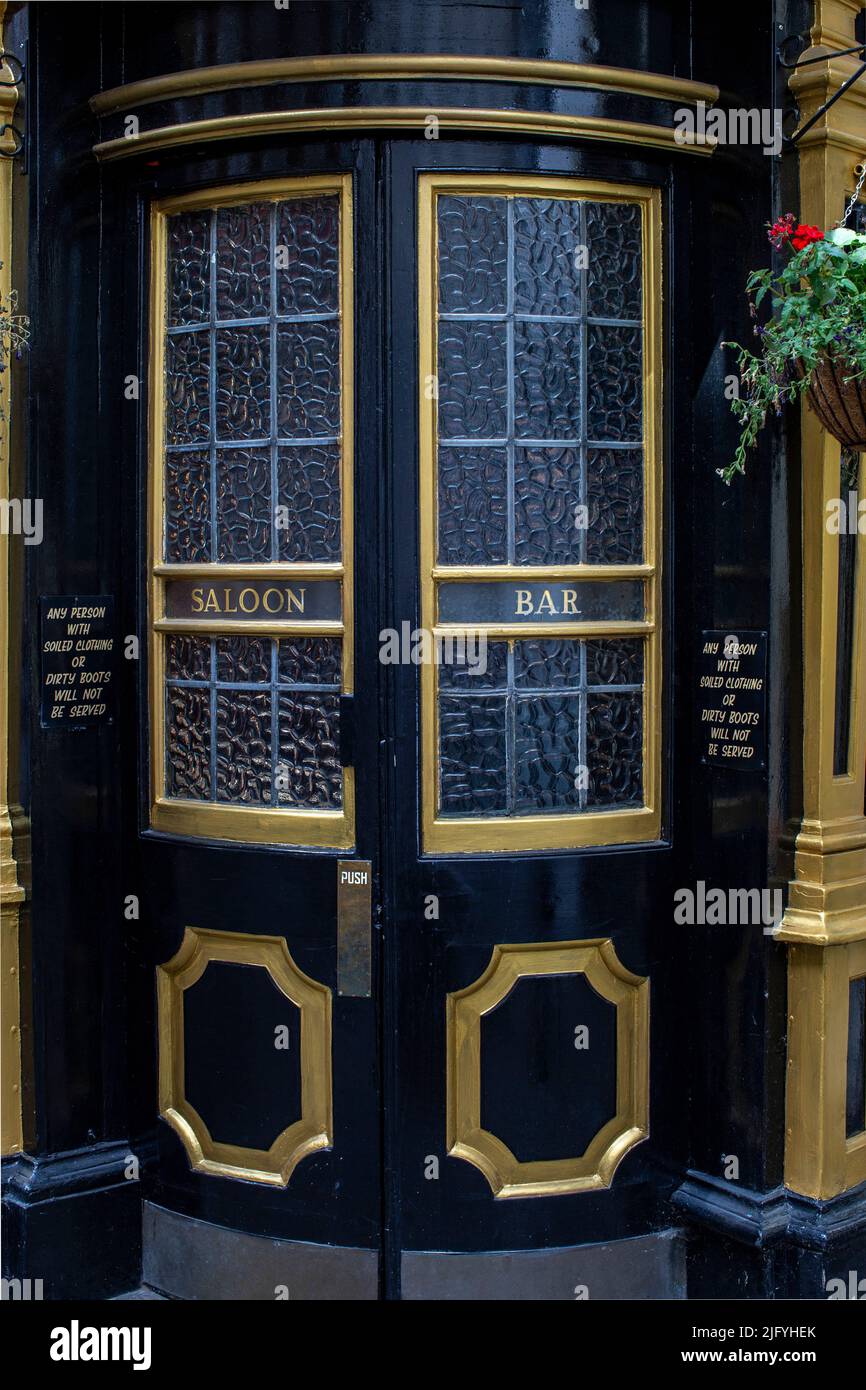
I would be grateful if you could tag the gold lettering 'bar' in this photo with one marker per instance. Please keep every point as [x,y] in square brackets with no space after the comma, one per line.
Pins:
[310,600]
[507,600]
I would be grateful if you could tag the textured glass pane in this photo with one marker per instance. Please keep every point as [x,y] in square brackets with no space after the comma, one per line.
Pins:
[547,743]
[473,254]
[614,260]
[473,506]
[311,661]
[472,755]
[614,481]
[614,661]
[243,504]
[243,383]
[547,364]
[547,664]
[243,660]
[308,766]
[547,493]
[614,749]
[614,388]
[243,262]
[307,255]
[187,388]
[188,265]
[478,665]
[308,519]
[546,273]
[514,740]
[472,380]
[188,742]
[188,658]
[243,746]
[187,508]
[308,391]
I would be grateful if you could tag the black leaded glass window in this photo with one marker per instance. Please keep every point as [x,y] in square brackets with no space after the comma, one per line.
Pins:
[540,465]
[254,721]
[540,382]
[513,740]
[252,506]
[253,384]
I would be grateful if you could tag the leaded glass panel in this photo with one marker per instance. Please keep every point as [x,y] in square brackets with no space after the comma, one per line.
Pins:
[254,720]
[253,383]
[252,475]
[540,343]
[548,725]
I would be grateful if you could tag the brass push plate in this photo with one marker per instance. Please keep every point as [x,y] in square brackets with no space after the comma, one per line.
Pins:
[354,909]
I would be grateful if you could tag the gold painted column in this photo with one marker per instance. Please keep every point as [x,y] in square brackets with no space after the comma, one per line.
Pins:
[825,922]
[11,892]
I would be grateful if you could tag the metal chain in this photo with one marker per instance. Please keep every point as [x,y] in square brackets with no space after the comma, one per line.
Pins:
[855,197]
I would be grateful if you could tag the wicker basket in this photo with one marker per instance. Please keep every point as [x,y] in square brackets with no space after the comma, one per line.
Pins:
[839,404]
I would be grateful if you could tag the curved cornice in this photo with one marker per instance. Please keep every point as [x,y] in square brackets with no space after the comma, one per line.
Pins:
[397,118]
[397,67]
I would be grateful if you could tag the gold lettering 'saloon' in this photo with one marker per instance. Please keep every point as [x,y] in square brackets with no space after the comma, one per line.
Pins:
[248,600]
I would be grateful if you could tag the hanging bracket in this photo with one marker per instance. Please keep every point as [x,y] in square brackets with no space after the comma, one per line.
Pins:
[16,69]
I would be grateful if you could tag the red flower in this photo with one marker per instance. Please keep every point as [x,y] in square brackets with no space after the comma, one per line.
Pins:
[804,236]
[781,229]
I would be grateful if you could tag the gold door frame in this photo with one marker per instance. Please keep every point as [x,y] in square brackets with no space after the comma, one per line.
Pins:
[568,831]
[269,825]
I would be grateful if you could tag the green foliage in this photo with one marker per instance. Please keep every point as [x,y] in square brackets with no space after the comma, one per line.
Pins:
[818,311]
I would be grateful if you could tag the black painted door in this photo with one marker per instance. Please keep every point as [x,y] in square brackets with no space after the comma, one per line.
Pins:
[406,401]
[259,773]
[526,854]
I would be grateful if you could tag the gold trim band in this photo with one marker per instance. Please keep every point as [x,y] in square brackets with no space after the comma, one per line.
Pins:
[398,67]
[540,123]
[480,573]
[218,570]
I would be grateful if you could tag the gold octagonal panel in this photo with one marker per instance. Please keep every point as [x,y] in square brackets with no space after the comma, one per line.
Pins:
[314,1130]
[507,1175]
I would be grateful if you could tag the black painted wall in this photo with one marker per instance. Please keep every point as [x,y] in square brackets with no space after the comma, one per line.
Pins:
[719,1071]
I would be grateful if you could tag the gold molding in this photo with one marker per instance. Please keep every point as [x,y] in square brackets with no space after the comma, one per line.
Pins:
[315,1129]
[11,892]
[820,1161]
[278,570]
[827,898]
[507,1175]
[268,825]
[398,67]
[825,920]
[535,123]
[209,819]
[480,573]
[467,835]
[834,23]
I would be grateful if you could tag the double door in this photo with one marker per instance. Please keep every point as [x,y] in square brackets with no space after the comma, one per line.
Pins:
[402,835]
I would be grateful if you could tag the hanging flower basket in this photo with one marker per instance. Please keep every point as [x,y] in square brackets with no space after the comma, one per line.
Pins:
[813,343]
[839,400]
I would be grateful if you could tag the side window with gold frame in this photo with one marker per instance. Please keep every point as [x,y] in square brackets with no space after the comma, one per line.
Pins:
[251,606]
[540,408]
